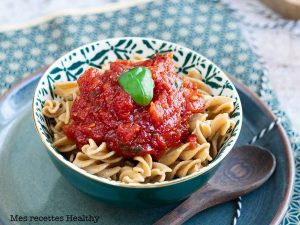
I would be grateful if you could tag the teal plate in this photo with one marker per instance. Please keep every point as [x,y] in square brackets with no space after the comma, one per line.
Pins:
[31,186]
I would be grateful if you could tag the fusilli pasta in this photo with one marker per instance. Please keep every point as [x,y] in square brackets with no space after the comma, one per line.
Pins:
[100,152]
[95,166]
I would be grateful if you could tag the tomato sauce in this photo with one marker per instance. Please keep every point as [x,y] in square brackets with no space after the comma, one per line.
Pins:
[104,112]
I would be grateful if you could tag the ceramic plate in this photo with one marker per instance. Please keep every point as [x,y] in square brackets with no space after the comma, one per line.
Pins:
[31,186]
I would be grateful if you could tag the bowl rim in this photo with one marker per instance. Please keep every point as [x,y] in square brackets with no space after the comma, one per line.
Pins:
[73,167]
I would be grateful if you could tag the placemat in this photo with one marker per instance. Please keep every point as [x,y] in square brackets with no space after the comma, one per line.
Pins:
[204,26]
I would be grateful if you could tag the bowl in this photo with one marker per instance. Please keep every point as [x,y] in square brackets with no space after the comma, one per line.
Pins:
[70,66]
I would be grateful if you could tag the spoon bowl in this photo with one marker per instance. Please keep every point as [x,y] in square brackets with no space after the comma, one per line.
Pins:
[245,169]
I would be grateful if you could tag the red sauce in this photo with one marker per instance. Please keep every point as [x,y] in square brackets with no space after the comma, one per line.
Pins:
[193,141]
[105,112]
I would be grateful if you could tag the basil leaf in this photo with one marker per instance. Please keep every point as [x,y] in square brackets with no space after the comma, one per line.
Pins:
[138,83]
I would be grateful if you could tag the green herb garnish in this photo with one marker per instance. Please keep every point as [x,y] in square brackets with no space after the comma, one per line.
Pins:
[138,83]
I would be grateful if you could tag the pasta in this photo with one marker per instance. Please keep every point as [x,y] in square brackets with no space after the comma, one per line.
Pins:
[213,131]
[158,172]
[100,152]
[65,116]
[67,90]
[129,175]
[95,166]
[210,128]
[219,104]
[183,168]
[53,108]
[63,144]
[195,77]
[185,159]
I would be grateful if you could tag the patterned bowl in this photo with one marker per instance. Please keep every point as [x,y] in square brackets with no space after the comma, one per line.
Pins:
[72,65]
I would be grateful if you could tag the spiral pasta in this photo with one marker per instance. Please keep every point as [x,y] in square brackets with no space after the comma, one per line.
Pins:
[185,159]
[53,108]
[58,127]
[100,152]
[220,126]
[151,171]
[158,172]
[219,104]
[67,90]
[213,131]
[95,166]
[63,144]
[199,126]
[209,128]
[129,175]
[61,115]
[195,77]
[144,166]
[65,116]
[183,168]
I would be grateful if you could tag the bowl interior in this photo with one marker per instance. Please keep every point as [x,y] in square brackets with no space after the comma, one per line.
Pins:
[70,66]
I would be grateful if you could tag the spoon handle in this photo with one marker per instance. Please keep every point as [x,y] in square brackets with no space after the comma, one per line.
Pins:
[244,169]
[191,206]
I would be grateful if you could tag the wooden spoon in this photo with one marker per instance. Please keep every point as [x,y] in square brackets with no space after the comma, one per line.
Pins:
[243,170]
